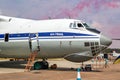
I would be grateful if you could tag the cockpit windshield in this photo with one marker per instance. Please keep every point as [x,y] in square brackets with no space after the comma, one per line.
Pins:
[76,25]
[82,26]
[86,25]
[79,25]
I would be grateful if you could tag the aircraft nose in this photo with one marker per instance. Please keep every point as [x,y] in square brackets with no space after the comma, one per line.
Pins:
[105,40]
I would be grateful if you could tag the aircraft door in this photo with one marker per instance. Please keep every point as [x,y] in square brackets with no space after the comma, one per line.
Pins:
[6,37]
[34,42]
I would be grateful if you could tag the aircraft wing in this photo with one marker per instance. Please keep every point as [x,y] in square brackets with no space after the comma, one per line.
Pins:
[7,22]
[8,19]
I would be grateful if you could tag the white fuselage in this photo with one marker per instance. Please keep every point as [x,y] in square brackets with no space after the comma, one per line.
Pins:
[56,38]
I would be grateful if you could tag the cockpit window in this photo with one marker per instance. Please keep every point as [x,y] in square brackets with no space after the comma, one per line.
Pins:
[76,25]
[72,25]
[79,25]
[82,26]
[86,25]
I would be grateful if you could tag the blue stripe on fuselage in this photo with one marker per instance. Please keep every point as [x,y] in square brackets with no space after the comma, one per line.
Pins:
[47,34]
[63,34]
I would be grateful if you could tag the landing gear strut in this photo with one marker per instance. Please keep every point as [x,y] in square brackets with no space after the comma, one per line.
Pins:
[41,65]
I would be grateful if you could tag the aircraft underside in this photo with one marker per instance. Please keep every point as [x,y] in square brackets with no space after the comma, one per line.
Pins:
[71,50]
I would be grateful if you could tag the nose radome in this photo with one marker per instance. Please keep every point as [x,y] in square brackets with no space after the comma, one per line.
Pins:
[105,40]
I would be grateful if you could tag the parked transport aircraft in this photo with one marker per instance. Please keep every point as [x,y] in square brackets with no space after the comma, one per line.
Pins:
[71,39]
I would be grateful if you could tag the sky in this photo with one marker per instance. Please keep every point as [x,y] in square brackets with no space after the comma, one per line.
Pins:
[103,15]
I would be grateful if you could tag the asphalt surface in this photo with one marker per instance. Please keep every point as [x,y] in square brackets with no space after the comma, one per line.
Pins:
[66,71]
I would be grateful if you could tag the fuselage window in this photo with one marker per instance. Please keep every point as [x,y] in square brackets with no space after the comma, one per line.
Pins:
[6,37]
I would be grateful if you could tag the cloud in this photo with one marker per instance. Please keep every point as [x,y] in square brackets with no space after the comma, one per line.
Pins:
[40,9]
[113,4]
[114,32]
[86,7]
[96,24]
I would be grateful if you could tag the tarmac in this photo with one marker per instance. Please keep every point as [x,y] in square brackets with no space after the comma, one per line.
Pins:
[14,70]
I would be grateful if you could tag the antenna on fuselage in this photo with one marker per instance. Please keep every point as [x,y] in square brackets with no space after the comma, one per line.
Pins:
[49,17]
[69,17]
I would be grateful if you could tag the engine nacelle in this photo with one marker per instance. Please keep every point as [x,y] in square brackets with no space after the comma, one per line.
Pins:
[79,57]
[5,19]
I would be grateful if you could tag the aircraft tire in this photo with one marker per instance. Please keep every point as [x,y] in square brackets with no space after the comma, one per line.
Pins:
[41,65]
